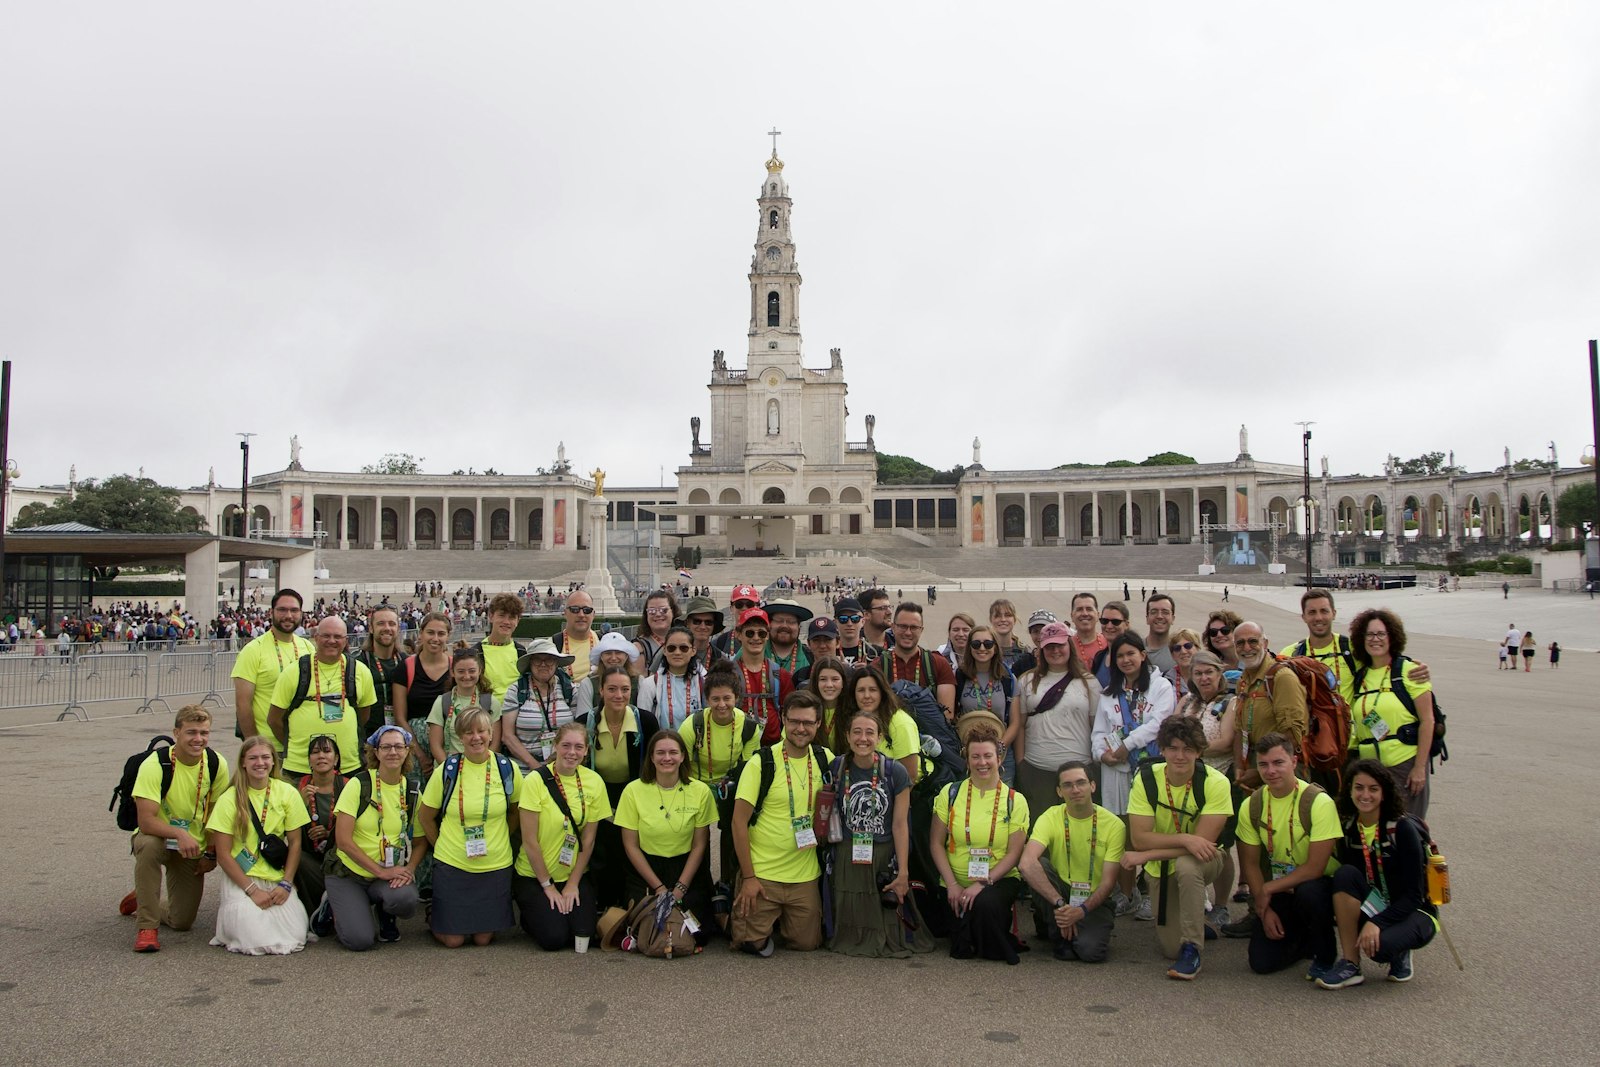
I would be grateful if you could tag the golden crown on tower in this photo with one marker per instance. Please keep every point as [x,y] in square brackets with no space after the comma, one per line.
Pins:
[774,165]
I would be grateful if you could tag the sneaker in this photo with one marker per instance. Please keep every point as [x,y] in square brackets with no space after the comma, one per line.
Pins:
[388,927]
[1318,971]
[322,918]
[1146,911]
[1400,969]
[1241,894]
[146,941]
[1217,916]
[1124,903]
[766,948]
[1062,950]
[1244,927]
[1187,965]
[129,905]
[1343,973]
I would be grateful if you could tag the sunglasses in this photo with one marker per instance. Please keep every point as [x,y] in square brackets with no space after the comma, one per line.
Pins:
[580,611]
[1185,646]
[702,622]
[663,610]
[1219,631]
[679,648]
[1112,622]
[981,644]
[1249,642]
[847,618]
[743,605]
[754,633]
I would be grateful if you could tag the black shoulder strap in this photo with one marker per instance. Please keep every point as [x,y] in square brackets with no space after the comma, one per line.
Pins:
[1349,656]
[820,754]
[550,786]
[1302,647]
[350,681]
[1147,775]
[302,685]
[1201,772]
[364,783]
[1397,684]
[167,769]
[508,779]
[769,770]
[212,762]
[447,781]
[747,732]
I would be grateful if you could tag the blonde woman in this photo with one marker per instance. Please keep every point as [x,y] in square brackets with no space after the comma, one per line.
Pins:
[254,828]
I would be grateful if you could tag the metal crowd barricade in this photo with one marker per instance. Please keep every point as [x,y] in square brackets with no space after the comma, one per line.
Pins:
[220,683]
[34,681]
[181,674]
[105,676]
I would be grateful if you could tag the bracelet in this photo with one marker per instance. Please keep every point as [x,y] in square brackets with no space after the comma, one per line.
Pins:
[680,886]
[546,884]
[285,886]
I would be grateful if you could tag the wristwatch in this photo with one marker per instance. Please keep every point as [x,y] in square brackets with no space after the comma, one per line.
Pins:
[1058,904]
[546,884]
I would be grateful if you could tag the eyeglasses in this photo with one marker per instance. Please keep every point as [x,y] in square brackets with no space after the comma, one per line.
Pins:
[580,611]
[391,748]
[847,618]
[663,610]
[702,622]
[980,644]
[679,648]
[1383,634]
[1219,631]
[1185,646]
[1112,622]
[1249,642]
[804,724]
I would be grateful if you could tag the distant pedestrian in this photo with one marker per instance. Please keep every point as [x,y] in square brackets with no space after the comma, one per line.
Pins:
[1505,590]
[1129,596]
[1224,594]
[1555,654]
[1528,648]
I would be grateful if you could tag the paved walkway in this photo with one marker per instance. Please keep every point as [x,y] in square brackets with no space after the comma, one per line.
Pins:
[71,989]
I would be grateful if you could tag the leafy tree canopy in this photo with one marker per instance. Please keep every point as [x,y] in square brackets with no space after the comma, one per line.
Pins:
[396,463]
[121,502]
[1575,506]
[903,470]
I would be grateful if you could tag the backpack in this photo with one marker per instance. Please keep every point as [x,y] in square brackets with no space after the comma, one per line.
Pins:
[302,684]
[122,801]
[949,765]
[1257,803]
[1328,721]
[523,689]
[769,771]
[1409,734]
[363,781]
[452,771]
[697,724]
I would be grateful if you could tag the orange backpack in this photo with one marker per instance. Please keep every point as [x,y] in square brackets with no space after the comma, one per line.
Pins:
[1328,724]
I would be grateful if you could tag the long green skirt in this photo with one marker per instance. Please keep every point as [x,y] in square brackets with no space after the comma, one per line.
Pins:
[862,926]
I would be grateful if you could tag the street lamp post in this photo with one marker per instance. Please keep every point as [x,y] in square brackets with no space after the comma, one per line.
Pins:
[1305,499]
[244,512]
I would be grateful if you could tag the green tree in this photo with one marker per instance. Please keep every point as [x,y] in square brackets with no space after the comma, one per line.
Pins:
[396,463]
[121,502]
[1532,465]
[1168,459]
[903,470]
[1575,507]
[1121,463]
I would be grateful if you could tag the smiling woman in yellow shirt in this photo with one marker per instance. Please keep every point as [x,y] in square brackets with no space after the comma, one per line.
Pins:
[469,826]
[979,828]
[665,823]
[377,859]
[253,828]
[562,804]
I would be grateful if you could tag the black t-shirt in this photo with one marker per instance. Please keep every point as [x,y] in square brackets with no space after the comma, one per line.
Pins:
[869,810]
[422,693]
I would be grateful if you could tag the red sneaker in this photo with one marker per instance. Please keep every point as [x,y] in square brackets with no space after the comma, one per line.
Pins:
[129,905]
[146,941]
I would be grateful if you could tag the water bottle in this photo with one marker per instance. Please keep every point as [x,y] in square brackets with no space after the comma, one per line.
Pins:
[1438,880]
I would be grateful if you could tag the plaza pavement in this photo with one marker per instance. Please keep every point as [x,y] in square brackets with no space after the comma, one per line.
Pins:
[1508,811]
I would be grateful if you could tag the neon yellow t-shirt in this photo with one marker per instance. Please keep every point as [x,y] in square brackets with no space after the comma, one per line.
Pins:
[996,815]
[478,803]
[445,709]
[774,855]
[666,819]
[313,717]
[903,740]
[1280,826]
[719,749]
[1375,697]
[586,798]
[1330,655]
[385,824]
[1219,801]
[578,649]
[500,668]
[1069,854]
[261,662]
[192,795]
[280,809]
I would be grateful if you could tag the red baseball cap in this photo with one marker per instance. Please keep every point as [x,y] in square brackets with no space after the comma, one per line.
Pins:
[750,615]
[744,592]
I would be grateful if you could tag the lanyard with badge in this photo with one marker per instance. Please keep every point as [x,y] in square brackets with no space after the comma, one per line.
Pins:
[332,704]
[391,855]
[547,736]
[380,680]
[1079,891]
[476,839]
[1378,895]
[199,818]
[691,700]
[1376,724]
[861,841]
[978,859]
[1282,867]
[247,859]
[1176,809]
[804,835]
[569,841]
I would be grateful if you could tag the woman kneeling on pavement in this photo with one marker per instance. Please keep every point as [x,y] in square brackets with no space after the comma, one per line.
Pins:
[467,813]
[664,821]
[377,861]
[562,805]
[979,827]
[873,912]
[1380,898]
[255,830]
[320,789]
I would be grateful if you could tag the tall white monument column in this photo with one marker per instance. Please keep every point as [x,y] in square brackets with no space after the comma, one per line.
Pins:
[597,579]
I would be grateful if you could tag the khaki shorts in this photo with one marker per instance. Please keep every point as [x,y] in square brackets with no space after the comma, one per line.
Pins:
[793,908]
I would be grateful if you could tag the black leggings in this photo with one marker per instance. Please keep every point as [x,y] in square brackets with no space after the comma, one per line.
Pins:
[551,930]
[1414,931]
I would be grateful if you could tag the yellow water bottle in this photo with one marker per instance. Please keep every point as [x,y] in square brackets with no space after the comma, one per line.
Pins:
[1438,880]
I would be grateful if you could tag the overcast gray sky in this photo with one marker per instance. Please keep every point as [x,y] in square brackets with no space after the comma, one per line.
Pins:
[1081,232]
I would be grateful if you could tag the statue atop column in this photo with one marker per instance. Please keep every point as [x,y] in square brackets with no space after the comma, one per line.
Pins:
[977,452]
[211,478]
[1555,464]
[836,361]
[599,477]
[1244,440]
[719,362]
[294,452]
[1324,466]
[872,422]
[694,429]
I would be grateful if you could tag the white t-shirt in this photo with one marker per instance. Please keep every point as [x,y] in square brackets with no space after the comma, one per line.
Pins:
[1062,733]
[1513,638]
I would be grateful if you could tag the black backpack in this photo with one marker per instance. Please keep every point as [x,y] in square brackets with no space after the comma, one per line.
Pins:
[1197,785]
[769,771]
[1409,734]
[122,801]
[302,684]
[363,781]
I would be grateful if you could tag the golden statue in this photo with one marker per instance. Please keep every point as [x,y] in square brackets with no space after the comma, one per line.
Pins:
[599,477]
